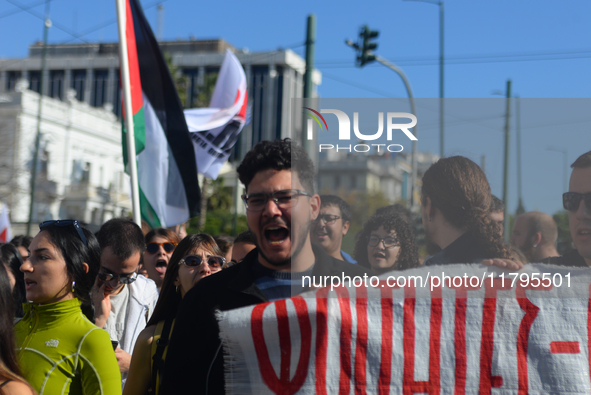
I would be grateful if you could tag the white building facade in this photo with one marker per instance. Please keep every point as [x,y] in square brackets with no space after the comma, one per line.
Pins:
[80,171]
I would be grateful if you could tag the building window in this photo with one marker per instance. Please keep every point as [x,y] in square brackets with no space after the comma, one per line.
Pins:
[12,78]
[278,101]
[101,77]
[192,87]
[337,182]
[353,182]
[56,84]
[117,99]
[35,81]
[259,76]
[78,83]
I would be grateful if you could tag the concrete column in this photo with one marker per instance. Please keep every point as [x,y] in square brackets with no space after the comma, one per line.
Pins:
[286,105]
[201,76]
[67,82]
[88,86]
[268,129]
[3,77]
[46,82]
[111,87]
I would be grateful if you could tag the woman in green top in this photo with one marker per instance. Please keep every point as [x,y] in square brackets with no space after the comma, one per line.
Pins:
[60,350]
[195,257]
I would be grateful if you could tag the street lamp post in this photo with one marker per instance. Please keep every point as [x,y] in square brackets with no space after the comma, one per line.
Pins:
[413,110]
[441,65]
[398,71]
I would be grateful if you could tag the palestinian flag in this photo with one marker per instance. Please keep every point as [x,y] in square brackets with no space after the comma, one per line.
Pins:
[167,170]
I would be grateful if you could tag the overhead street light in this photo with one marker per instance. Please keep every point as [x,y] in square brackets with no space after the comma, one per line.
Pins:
[366,55]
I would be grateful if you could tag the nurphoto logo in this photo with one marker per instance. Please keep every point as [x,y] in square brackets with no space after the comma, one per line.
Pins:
[344,131]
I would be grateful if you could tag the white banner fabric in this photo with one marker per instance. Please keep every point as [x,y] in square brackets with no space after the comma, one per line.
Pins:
[483,332]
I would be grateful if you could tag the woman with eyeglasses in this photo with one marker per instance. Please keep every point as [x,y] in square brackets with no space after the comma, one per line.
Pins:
[60,350]
[11,381]
[160,244]
[197,256]
[386,242]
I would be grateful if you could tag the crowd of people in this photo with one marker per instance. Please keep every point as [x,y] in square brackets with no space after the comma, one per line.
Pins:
[123,311]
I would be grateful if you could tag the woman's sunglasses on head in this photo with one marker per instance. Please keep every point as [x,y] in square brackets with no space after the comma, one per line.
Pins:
[153,247]
[65,222]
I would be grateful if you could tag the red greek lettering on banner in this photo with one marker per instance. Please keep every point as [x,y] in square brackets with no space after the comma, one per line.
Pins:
[410,386]
[386,349]
[487,380]
[531,312]
[460,337]
[282,385]
[361,341]
[322,339]
[589,328]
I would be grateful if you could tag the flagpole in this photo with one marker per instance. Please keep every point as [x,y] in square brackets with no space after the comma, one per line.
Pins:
[126,85]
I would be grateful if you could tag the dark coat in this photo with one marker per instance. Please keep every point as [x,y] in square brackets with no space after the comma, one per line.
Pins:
[194,361]
[572,258]
[462,250]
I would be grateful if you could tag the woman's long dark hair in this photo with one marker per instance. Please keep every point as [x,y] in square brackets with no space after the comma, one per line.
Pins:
[11,257]
[76,253]
[169,299]
[408,256]
[459,189]
[9,369]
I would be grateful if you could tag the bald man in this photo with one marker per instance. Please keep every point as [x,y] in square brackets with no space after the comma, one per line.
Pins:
[535,235]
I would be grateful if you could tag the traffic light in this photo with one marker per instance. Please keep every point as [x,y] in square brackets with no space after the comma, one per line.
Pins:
[367,46]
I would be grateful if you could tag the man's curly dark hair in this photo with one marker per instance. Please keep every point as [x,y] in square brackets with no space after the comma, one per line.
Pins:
[277,155]
[409,254]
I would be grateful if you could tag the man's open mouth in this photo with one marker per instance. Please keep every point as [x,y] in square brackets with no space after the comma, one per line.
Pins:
[276,234]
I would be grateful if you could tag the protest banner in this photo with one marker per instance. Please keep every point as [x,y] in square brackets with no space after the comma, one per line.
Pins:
[461,329]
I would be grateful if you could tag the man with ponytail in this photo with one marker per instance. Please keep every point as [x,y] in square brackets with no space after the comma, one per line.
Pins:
[455,204]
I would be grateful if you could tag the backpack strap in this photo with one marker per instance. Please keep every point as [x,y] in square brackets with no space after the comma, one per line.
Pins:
[157,360]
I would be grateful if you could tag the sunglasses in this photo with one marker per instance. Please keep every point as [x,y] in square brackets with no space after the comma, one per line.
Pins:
[214,262]
[108,277]
[572,200]
[153,247]
[65,222]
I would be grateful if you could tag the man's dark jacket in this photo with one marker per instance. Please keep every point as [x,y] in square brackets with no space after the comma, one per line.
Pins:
[572,258]
[194,360]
